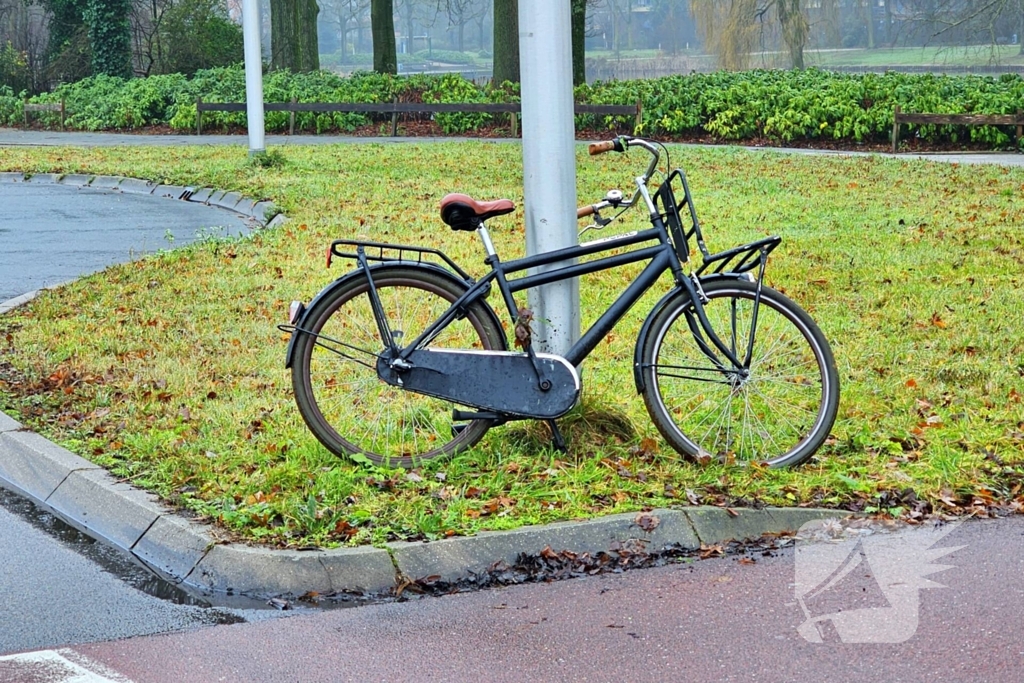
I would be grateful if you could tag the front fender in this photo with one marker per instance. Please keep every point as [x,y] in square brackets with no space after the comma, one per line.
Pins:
[343,281]
[679,292]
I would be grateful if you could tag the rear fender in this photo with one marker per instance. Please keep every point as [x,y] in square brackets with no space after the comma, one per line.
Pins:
[670,299]
[382,268]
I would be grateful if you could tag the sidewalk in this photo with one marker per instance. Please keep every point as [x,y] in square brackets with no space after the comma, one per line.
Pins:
[32,138]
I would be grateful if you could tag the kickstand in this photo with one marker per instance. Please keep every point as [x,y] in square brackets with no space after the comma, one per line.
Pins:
[556,437]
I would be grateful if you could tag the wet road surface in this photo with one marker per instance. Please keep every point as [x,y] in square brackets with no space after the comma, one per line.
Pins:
[721,619]
[50,234]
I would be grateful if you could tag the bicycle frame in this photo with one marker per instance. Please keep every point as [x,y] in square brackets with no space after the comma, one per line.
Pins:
[663,257]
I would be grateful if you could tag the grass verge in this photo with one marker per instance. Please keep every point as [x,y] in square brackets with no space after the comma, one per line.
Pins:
[169,372]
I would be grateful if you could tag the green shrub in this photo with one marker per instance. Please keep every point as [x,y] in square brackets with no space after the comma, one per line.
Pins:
[14,72]
[197,34]
[781,106]
[10,107]
[452,88]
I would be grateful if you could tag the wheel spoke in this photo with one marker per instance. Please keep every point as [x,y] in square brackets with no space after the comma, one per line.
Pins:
[787,404]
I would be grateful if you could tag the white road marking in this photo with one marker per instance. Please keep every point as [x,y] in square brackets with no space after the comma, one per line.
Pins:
[52,666]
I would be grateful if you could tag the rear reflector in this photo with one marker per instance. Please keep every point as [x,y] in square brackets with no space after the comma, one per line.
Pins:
[295,312]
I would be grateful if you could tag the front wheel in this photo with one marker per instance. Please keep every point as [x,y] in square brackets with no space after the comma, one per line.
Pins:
[775,409]
[334,374]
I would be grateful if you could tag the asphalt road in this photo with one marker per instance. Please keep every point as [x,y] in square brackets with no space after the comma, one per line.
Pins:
[57,586]
[50,234]
[711,620]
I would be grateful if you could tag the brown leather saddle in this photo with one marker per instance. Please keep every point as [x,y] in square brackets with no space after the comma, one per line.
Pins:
[462,212]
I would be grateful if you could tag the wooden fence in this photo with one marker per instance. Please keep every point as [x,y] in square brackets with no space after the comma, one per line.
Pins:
[514,110]
[899,118]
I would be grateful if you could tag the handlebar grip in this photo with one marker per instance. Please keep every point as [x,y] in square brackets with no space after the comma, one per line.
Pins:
[602,147]
[585,211]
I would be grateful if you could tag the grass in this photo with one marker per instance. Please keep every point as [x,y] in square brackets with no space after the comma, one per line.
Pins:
[948,56]
[169,371]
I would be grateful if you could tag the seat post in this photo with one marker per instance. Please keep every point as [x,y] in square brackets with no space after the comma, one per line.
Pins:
[486,238]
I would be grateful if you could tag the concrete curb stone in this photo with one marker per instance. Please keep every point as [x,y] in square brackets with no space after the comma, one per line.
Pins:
[34,466]
[227,200]
[106,182]
[11,177]
[201,195]
[240,569]
[98,504]
[8,424]
[174,546]
[170,191]
[244,206]
[11,304]
[261,209]
[458,558]
[136,186]
[75,179]
[359,570]
[718,525]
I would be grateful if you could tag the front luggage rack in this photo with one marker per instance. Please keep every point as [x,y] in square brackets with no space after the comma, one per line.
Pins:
[379,252]
[740,259]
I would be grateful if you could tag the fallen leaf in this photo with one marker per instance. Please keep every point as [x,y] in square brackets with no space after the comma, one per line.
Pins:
[647,522]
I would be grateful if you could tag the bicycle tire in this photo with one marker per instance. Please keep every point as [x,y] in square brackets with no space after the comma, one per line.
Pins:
[342,400]
[779,415]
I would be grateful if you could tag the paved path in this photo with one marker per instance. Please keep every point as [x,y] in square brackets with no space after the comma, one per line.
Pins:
[14,137]
[713,620]
[50,234]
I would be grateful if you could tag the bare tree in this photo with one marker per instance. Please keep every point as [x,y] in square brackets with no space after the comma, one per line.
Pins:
[347,17]
[732,28]
[145,22]
[460,13]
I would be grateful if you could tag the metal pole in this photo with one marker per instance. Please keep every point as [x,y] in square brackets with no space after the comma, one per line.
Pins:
[549,161]
[253,75]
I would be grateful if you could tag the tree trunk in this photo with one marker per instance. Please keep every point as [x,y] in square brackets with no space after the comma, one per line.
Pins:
[794,30]
[293,37]
[506,41]
[382,22]
[579,37]
[110,37]
[869,17]
[410,29]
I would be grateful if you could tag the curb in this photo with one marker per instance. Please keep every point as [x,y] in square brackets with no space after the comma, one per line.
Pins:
[189,553]
[232,201]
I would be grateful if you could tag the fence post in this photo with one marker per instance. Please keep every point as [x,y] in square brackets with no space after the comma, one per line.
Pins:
[394,119]
[62,109]
[24,111]
[199,116]
[639,115]
[895,128]
[1020,128]
[515,125]
[291,117]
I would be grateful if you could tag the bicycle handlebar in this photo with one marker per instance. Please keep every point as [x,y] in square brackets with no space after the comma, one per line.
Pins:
[602,147]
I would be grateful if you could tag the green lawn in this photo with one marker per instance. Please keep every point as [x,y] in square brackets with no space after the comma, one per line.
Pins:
[976,55]
[169,370]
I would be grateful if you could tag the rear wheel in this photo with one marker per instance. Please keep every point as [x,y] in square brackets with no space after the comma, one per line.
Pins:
[344,403]
[777,410]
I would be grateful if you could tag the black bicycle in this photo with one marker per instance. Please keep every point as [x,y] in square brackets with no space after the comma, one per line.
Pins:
[403,359]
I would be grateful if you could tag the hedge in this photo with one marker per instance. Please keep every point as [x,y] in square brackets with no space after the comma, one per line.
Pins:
[780,106]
